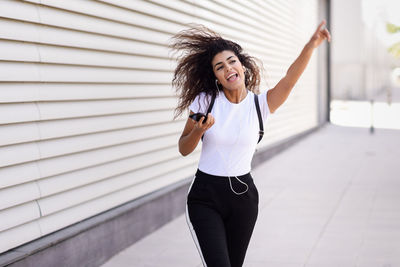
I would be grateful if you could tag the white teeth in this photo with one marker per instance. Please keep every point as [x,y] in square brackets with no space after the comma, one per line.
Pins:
[230,76]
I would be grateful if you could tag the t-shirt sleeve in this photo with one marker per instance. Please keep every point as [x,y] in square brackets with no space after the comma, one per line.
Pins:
[265,112]
[199,104]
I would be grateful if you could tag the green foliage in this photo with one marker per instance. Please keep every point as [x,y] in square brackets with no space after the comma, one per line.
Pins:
[391,28]
[395,48]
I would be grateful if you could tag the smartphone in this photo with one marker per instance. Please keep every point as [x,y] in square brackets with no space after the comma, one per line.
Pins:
[197,117]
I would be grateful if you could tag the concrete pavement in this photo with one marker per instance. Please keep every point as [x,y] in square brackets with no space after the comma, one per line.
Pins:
[330,200]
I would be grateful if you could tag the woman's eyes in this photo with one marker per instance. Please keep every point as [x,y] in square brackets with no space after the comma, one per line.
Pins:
[231,62]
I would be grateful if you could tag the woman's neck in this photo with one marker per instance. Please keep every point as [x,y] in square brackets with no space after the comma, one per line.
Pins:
[235,96]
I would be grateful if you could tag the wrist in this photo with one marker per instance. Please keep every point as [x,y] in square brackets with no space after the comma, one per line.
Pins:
[197,131]
[309,46]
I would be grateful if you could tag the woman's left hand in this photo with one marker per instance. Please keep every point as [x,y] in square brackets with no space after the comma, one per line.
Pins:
[320,35]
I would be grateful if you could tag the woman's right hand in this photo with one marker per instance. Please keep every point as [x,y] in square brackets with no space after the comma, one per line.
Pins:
[201,127]
[192,133]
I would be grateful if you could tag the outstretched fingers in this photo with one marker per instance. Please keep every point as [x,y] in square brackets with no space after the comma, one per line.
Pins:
[322,32]
[319,28]
[326,33]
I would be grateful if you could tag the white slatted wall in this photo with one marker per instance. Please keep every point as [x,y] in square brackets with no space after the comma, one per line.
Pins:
[86,102]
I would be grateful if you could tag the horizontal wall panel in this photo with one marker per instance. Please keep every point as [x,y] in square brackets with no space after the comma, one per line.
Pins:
[74,56]
[131,43]
[66,73]
[53,110]
[180,7]
[18,51]
[109,13]
[56,128]
[10,155]
[27,92]
[67,181]
[13,113]
[270,20]
[18,215]
[18,30]
[13,30]
[28,132]
[19,235]
[18,92]
[102,91]
[253,29]
[49,110]
[87,106]
[30,52]
[16,195]
[11,71]
[211,11]
[273,8]
[18,174]
[146,7]
[62,164]
[231,27]
[80,22]
[83,194]
[57,147]
[270,26]
[18,133]
[67,217]
[17,10]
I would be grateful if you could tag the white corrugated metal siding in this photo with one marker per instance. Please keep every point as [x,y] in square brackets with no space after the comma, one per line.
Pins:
[86,102]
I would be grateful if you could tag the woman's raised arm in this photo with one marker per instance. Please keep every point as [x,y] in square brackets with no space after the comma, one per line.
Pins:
[278,95]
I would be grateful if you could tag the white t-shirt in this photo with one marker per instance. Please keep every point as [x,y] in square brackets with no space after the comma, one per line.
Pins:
[229,145]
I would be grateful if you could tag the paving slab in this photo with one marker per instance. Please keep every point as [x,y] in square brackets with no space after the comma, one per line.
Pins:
[332,199]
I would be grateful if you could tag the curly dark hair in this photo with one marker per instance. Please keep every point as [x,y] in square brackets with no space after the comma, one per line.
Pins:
[194,74]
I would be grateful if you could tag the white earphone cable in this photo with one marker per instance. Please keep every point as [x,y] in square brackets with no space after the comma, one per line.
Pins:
[230,157]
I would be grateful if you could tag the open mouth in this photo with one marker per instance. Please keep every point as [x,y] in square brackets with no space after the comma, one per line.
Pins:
[232,77]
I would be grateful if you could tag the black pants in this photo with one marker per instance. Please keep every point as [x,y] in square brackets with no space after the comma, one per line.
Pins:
[221,221]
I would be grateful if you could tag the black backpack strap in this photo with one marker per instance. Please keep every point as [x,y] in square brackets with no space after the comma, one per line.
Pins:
[209,110]
[260,122]
[211,105]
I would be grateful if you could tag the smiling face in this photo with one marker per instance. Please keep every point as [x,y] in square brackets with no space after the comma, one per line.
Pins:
[228,70]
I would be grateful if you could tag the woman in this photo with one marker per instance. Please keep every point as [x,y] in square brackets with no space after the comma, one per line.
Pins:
[222,203]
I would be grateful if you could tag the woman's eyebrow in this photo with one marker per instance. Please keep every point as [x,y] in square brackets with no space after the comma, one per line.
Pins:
[217,64]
